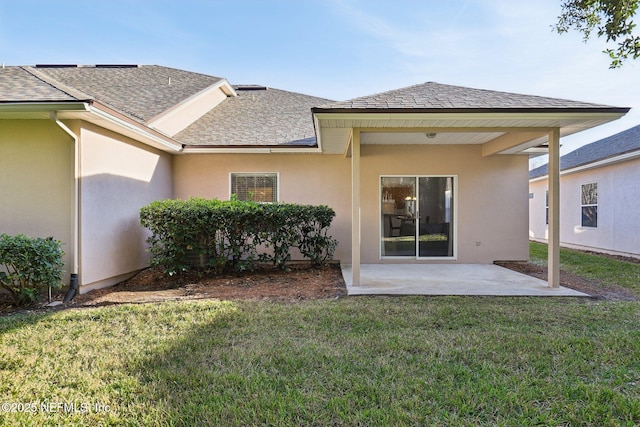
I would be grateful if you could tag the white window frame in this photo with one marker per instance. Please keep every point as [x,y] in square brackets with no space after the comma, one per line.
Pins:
[588,205]
[454,221]
[277,186]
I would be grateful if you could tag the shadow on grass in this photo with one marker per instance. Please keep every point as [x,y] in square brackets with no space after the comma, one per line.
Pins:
[396,361]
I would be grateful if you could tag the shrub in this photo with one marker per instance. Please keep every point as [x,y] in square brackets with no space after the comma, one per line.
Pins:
[234,235]
[28,265]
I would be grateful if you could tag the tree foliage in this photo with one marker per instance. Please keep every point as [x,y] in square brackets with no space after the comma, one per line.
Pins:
[606,18]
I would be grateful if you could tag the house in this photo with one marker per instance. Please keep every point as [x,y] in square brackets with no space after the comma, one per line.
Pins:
[599,197]
[430,173]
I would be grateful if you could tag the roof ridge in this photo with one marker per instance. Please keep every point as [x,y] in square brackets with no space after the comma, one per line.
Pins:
[69,90]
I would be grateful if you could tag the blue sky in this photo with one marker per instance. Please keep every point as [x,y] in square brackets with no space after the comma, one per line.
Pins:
[337,49]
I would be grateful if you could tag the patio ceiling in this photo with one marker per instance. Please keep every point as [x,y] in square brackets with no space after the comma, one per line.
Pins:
[502,133]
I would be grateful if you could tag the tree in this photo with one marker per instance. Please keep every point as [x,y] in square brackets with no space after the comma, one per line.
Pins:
[610,18]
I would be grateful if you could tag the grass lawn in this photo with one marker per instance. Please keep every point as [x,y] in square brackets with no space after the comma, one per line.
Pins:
[352,361]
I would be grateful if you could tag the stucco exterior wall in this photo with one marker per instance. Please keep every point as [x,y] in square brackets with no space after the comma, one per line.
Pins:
[492,191]
[118,177]
[36,182]
[491,200]
[312,179]
[538,229]
[618,203]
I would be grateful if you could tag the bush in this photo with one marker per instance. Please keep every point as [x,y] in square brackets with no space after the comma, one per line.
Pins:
[235,235]
[28,265]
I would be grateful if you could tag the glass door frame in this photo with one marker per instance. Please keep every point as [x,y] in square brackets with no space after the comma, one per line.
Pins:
[454,221]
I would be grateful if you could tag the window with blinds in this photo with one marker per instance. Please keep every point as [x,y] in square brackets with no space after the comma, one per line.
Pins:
[589,204]
[256,187]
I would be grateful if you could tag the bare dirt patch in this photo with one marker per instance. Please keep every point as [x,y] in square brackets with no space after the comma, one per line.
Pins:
[297,283]
[594,288]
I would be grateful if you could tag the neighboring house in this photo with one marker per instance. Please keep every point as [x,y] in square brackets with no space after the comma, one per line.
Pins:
[426,173]
[599,197]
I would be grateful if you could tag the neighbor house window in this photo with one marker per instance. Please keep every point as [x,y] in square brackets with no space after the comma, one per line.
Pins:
[546,204]
[589,205]
[256,187]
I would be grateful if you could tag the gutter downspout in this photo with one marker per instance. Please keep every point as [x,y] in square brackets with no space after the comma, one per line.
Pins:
[73,285]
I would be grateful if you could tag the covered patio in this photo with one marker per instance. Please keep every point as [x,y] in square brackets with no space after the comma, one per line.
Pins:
[448,279]
[479,141]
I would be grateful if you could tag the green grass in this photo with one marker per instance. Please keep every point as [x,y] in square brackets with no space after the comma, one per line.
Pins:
[591,266]
[355,361]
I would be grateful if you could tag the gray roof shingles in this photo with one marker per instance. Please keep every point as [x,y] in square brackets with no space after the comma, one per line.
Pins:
[18,85]
[433,96]
[141,92]
[620,143]
[256,117]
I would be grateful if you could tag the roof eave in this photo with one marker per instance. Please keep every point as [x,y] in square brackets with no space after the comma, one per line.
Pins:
[43,106]
[249,149]
[589,110]
[112,119]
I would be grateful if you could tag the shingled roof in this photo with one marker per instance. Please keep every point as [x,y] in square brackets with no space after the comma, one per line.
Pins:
[621,143]
[19,85]
[139,91]
[437,97]
[257,116]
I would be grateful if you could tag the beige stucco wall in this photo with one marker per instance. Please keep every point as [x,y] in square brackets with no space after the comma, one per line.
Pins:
[618,228]
[492,191]
[118,177]
[36,181]
[303,178]
[491,201]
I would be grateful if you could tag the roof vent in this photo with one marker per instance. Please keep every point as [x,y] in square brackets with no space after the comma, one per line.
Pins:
[116,66]
[250,87]
[87,66]
[56,66]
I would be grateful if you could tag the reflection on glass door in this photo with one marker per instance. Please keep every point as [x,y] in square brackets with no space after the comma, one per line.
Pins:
[435,238]
[417,216]
[398,216]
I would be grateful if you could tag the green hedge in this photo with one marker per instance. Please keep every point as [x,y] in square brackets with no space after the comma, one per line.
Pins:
[235,235]
[28,265]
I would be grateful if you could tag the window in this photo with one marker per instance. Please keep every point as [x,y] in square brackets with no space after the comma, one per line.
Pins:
[257,187]
[546,204]
[589,205]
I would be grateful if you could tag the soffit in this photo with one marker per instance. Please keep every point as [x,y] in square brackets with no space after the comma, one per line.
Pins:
[450,128]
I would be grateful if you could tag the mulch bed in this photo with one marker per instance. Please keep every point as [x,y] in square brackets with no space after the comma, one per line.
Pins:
[298,283]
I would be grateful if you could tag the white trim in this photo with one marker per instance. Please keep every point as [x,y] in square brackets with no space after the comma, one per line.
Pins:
[582,205]
[553,116]
[32,107]
[453,229]
[249,150]
[277,174]
[153,139]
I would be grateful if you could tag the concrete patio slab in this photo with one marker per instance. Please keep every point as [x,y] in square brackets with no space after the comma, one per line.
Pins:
[448,279]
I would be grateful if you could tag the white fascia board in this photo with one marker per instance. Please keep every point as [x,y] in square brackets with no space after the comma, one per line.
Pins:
[249,150]
[139,132]
[316,129]
[547,116]
[32,107]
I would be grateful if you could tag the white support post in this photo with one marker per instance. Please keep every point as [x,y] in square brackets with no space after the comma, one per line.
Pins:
[355,208]
[553,274]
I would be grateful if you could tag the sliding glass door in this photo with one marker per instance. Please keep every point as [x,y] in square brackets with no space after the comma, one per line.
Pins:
[417,216]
